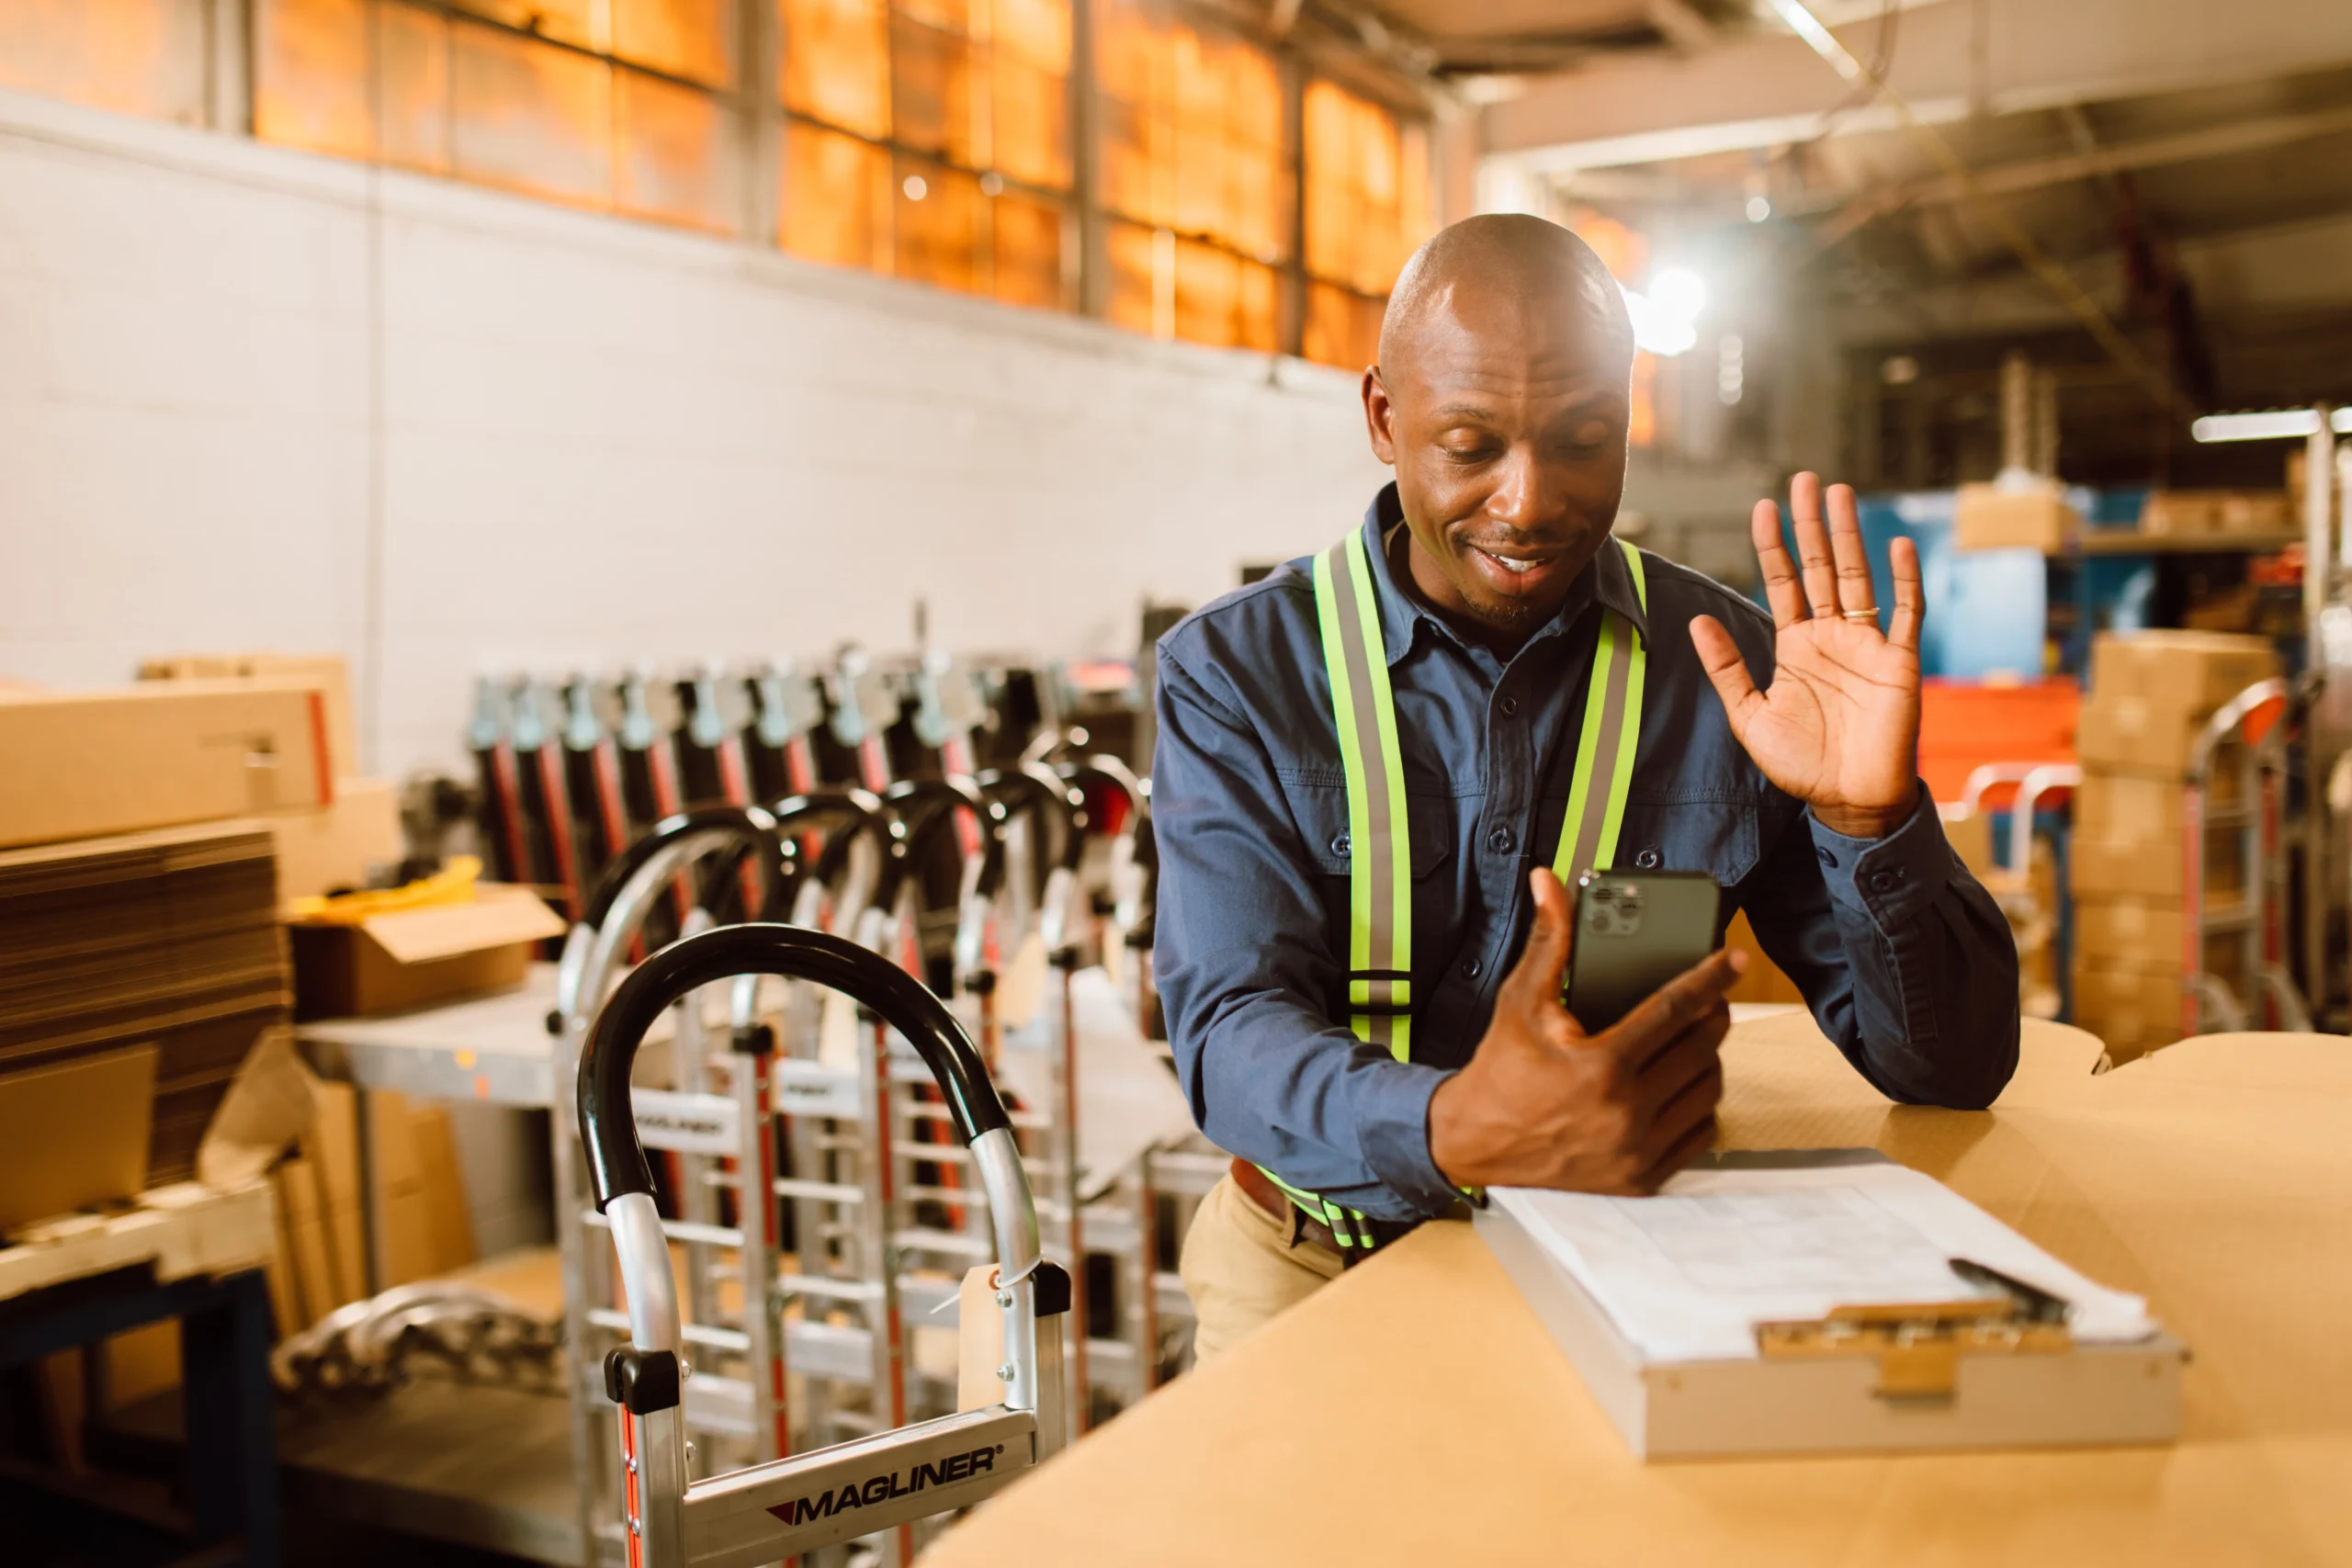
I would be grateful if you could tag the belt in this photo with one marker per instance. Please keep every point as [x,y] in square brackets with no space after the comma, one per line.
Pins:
[1303,1228]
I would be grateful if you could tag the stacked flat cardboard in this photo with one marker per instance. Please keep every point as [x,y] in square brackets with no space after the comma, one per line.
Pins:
[167,938]
[2033,514]
[2150,696]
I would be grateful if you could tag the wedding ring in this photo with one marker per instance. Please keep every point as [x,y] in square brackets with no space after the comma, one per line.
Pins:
[1858,614]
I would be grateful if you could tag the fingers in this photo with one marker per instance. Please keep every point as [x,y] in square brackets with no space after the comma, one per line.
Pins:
[1854,592]
[1780,589]
[1676,1005]
[1535,978]
[1910,603]
[1820,567]
[1694,1141]
[1719,657]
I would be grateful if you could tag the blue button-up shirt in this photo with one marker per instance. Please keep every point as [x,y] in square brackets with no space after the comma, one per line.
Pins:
[1905,962]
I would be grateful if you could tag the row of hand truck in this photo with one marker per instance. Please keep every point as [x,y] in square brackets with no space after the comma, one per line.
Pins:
[824,1198]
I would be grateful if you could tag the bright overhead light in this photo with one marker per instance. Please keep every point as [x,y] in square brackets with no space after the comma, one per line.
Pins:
[1759,208]
[2279,425]
[1665,318]
[1679,292]
[915,187]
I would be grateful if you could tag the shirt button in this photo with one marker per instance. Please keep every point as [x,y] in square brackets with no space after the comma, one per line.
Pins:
[1827,858]
[1646,860]
[1884,881]
[1500,840]
[1472,969]
[1509,705]
[1340,845]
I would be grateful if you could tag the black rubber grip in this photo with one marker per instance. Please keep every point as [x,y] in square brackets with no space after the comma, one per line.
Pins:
[1021,789]
[607,1125]
[755,826]
[925,806]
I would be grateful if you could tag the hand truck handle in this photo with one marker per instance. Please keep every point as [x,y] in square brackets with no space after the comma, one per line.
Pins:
[925,806]
[757,828]
[1018,789]
[616,1163]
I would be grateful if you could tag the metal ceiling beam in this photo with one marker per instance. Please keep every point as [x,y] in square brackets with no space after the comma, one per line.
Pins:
[1765,89]
[2037,174]
[2052,274]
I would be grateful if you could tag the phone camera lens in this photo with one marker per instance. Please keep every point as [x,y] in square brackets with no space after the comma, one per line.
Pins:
[1600,921]
[1603,894]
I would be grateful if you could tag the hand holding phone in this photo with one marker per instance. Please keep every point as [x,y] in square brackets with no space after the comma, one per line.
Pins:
[1547,1102]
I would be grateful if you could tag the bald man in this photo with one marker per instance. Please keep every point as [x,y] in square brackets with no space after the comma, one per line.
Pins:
[1775,753]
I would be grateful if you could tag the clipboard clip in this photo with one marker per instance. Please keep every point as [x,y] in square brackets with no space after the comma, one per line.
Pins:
[1917,1345]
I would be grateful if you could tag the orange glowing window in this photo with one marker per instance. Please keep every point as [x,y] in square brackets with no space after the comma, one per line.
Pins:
[836,65]
[836,198]
[1191,130]
[530,116]
[141,57]
[1366,207]
[671,145]
[1028,251]
[550,112]
[940,218]
[1342,327]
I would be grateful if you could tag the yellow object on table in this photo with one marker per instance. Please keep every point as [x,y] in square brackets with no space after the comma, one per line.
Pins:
[453,884]
[1414,1412]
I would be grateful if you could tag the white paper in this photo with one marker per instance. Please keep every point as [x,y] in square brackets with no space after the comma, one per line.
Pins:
[1686,1275]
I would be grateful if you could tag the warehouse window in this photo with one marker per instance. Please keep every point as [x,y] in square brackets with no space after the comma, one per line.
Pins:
[612,104]
[1367,207]
[1194,179]
[929,139]
[141,57]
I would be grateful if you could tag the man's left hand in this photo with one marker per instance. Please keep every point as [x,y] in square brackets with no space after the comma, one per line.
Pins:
[1839,728]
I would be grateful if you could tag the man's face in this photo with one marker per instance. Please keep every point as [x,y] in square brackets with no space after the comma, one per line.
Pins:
[1505,418]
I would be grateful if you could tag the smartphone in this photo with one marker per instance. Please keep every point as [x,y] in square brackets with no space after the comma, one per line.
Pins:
[1635,930]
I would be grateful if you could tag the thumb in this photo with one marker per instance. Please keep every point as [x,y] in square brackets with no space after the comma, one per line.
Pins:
[1535,978]
[1726,671]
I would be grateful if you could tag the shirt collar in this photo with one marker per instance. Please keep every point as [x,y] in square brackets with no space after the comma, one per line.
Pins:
[1401,612]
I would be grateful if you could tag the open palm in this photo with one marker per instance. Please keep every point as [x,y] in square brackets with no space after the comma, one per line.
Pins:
[1840,726]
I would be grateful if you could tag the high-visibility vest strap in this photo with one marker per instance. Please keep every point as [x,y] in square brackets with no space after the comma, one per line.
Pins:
[1380,856]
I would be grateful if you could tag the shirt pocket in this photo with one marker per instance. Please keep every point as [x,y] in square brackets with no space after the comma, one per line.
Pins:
[1717,836]
[1321,812]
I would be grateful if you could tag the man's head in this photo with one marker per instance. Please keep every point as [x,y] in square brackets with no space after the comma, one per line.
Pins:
[1500,398]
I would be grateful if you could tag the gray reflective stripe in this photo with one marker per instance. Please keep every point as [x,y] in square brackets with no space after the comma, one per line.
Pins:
[1618,636]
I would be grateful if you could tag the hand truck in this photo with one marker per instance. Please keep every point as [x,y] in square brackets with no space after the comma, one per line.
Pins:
[790,1506]
[2259,718]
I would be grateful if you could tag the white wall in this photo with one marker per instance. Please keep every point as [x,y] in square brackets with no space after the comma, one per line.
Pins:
[250,398]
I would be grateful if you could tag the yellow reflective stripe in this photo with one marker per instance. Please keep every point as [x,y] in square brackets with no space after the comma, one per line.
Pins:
[1611,736]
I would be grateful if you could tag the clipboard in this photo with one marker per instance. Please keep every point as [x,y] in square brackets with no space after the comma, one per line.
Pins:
[1969,1373]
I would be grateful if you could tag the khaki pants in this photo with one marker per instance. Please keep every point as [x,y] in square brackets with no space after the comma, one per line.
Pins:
[1241,1269]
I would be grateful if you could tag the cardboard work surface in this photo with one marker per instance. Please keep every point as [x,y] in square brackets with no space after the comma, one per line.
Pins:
[1414,1412]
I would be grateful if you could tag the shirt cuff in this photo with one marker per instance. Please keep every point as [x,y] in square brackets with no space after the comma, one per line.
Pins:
[1893,878]
[1392,1126]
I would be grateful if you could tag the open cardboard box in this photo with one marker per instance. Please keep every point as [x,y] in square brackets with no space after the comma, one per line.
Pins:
[407,958]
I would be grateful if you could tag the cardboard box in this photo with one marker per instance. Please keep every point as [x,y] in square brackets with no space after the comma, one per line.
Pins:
[327,671]
[73,1135]
[2185,671]
[2138,931]
[338,845]
[411,957]
[2110,864]
[88,763]
[1989,517]
[2256,512]
[2170,514]
[2132,1011]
